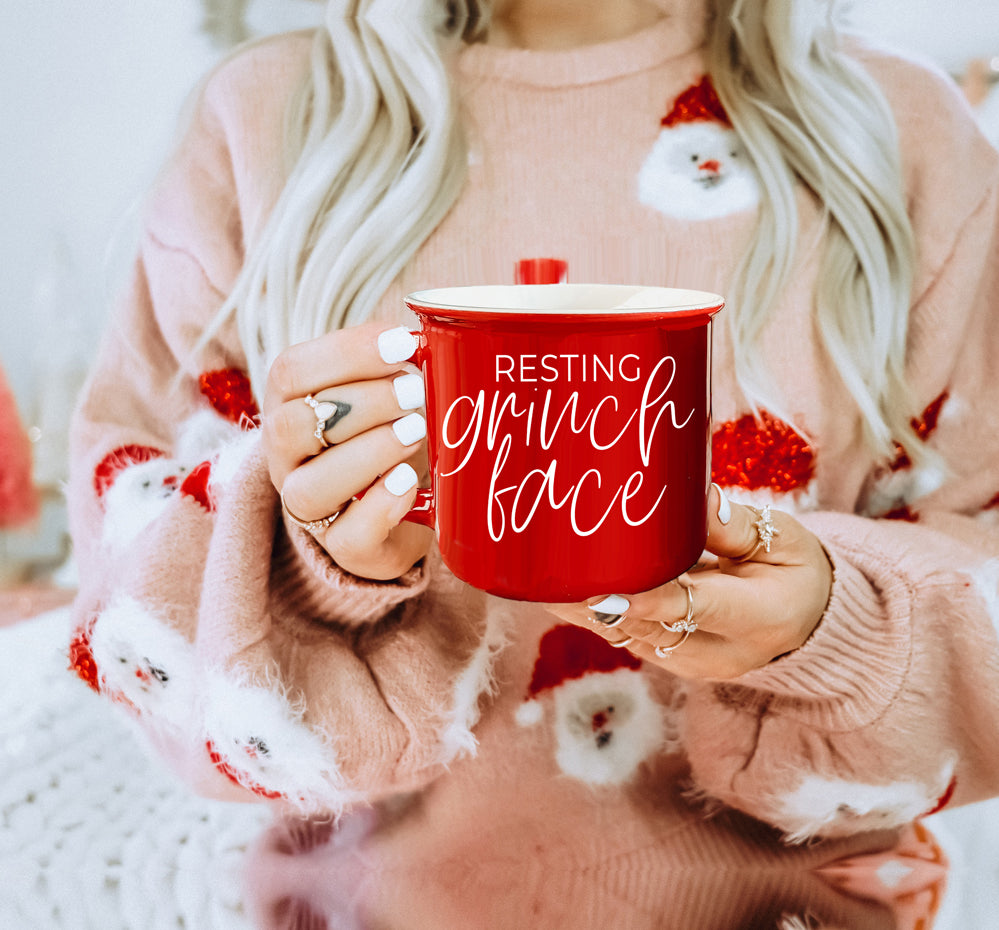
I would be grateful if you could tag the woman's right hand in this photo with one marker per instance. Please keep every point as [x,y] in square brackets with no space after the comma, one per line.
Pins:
[375,446]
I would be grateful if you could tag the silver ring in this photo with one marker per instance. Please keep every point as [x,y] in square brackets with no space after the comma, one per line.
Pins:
[328,414]
[766,532]
[627,641]
[310,526]
[664,652]
[687,624]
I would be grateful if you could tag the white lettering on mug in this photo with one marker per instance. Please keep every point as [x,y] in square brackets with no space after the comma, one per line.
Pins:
[512,506]
[524,369]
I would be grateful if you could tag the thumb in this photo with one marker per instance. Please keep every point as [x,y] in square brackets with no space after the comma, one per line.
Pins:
[738,532]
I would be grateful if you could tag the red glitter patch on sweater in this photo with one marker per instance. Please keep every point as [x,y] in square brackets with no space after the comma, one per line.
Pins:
[767,454]
[81,657]
[697,104]
[228,390]
[116,461]
[924,426]
[230,772]
[568,651]
[195,486]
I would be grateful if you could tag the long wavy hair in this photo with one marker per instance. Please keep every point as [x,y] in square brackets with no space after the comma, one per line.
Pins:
[377,158]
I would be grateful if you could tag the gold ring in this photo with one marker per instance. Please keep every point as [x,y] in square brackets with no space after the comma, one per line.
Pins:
[766,532]
[687,624]
[328,414]
[664,652]
[310,526]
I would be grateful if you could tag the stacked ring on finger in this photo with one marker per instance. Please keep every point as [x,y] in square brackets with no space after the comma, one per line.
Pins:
[310,526]
[687,624]
[328,414]
[766,532]
[664,652]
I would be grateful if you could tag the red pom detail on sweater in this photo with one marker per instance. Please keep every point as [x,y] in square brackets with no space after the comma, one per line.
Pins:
[228,390]
[195,486]
[81,658]
[219,761]
[697,103]
[767,454]
[116,461]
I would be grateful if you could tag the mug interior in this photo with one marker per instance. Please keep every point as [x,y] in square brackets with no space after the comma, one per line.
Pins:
[584,299]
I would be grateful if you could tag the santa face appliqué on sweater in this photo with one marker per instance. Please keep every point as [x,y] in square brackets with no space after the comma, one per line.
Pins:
[698,168]
[605,720]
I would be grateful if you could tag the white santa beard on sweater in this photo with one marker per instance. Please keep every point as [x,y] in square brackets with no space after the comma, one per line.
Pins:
[800,500]
[202,435]
[263,738]
[903,488]
[139,656]
[673,181]
[140,493]
[834,807]
[606,725]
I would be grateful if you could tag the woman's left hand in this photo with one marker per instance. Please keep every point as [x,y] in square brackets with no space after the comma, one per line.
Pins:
[741,609]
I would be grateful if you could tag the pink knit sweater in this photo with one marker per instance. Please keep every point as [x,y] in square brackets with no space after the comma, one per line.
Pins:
[260,669]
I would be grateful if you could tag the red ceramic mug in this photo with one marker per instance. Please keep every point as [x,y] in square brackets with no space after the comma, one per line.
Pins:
[568,434]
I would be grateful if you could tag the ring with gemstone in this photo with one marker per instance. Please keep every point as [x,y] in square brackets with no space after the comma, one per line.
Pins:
[687,624]
[328,414]
[310,526]
[766,532]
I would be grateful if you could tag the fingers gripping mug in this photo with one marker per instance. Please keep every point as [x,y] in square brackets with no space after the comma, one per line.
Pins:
[568,434]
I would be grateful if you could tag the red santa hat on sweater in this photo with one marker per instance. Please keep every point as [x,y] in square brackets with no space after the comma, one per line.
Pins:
[568,652]
[698,103]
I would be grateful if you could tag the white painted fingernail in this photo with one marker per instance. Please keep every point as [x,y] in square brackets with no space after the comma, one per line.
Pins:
[409,391]
[724,507]
[396,345]
[401,479]
[410,429]
[614,604]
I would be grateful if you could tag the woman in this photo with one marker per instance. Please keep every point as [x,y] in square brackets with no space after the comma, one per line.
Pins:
[838,667]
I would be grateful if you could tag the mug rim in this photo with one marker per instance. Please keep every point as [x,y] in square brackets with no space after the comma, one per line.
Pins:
[605,300]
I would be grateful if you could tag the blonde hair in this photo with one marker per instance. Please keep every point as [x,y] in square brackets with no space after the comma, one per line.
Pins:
[377,159]
[805,110]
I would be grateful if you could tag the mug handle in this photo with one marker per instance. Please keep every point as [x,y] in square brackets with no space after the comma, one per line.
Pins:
[424,510]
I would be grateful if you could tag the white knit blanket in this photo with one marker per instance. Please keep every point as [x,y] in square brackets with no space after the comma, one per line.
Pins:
[93,833]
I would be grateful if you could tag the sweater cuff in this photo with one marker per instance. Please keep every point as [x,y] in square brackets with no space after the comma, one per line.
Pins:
[307,579]
[851,667]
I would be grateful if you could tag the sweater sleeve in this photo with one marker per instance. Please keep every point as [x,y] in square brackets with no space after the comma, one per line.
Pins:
[889,711]
[252,663]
